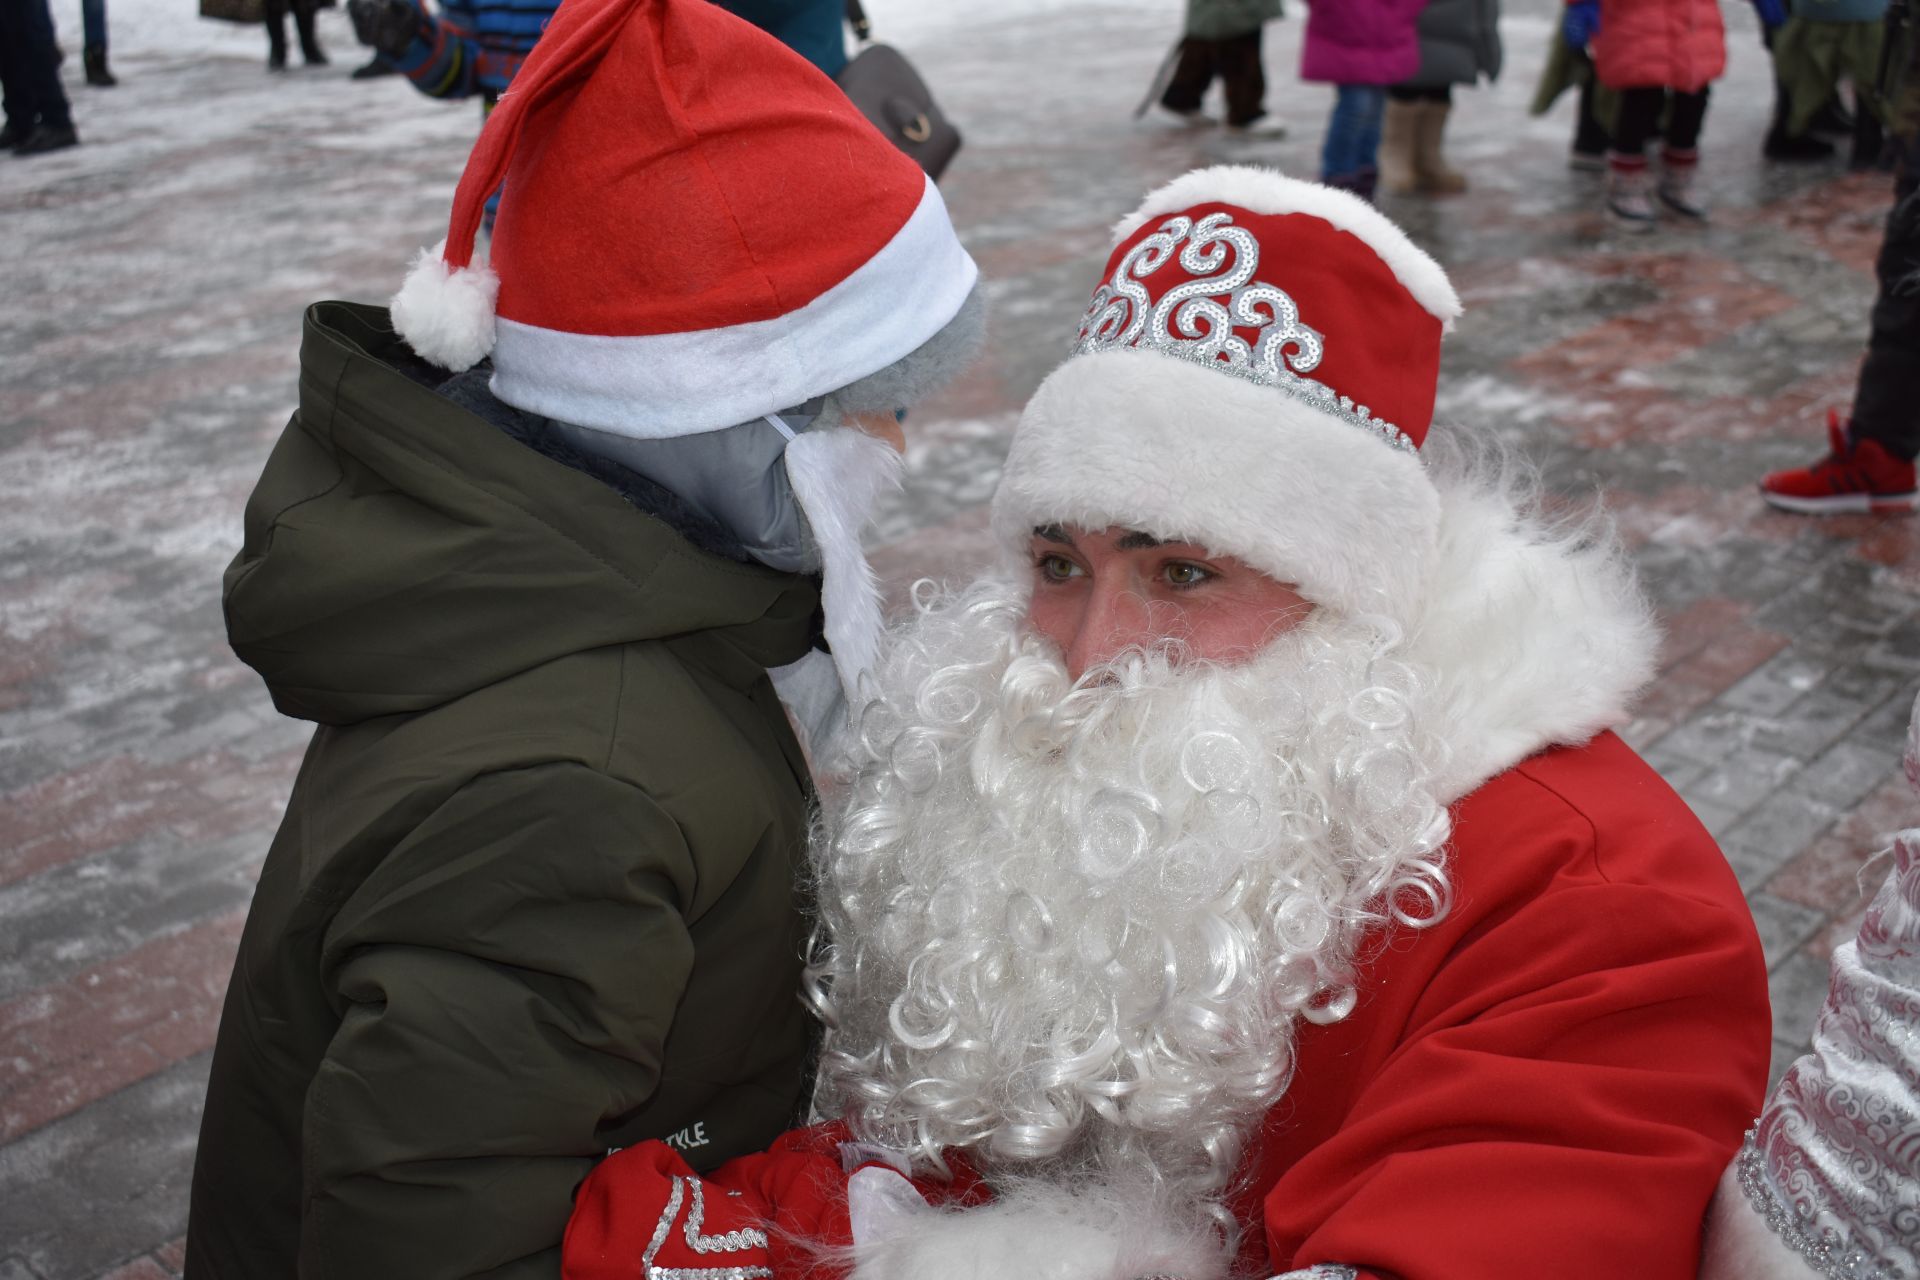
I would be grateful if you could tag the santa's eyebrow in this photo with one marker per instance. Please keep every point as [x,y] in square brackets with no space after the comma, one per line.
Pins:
[1052,533]
[1134,540]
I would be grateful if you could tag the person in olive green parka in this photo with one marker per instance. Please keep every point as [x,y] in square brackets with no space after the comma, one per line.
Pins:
[536,892]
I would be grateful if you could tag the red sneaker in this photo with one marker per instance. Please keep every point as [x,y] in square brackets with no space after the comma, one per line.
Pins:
[1858,475]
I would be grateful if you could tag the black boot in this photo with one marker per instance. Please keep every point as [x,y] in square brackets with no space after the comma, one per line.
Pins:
[276,19]
[95,60]
[310,51]
[47,137]
[1781,145]
[1833,117]
[1869,142]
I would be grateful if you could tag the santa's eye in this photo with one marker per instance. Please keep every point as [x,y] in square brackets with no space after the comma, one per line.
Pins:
[1182,573]
[1056,568]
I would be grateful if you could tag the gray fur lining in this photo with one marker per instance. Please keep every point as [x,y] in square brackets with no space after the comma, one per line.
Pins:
[925,369]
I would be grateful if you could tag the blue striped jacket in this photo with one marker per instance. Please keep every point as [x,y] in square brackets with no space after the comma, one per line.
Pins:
[473,46]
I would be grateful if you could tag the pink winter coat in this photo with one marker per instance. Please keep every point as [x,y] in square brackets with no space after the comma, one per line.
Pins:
[1361,41]
[1679,44]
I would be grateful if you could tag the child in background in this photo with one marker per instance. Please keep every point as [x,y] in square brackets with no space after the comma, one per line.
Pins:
[1222,39]
[1360,47]
[1459,43]
[1660,56]
[1824,42]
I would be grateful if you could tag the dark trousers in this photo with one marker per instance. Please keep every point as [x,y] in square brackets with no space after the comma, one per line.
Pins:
[29,75]
[1886,406]
[1640,119]
[1442,93]
[1235,60]
[302,23]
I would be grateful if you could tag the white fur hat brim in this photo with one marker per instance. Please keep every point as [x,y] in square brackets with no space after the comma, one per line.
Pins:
[1138,440]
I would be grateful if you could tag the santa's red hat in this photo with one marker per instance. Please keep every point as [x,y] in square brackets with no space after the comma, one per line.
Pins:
[697,228]
[1256,374]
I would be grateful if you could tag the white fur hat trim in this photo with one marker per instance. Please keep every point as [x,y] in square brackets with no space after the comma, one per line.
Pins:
[1139,440]
[446,313]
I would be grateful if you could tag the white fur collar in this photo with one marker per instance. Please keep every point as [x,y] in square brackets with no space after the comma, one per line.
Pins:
[1538,635]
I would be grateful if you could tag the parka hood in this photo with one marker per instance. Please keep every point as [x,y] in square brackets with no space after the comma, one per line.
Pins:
[401,552]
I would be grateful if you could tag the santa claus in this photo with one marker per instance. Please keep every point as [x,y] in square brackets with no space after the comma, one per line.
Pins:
[1243,877]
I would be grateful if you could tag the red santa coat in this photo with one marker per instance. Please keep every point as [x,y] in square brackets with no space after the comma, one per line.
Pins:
[1548,1082]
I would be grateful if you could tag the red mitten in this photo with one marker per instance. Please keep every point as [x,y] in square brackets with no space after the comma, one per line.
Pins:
[643,1210]
[802,1181]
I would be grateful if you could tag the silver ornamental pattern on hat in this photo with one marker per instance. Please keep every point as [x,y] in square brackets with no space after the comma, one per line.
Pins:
[1196,320]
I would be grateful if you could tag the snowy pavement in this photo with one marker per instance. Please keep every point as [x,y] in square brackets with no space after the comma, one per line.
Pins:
[153,284]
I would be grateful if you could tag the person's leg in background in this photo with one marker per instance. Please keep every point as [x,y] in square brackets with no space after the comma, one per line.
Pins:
[37,112]
[1590,139]
[1870,459]
[1191,76]
[1629,186]
[93,19]
[1244,78]
[310,51]
[1399,130]
[1434,174]
[274,14]
[1349,157]
[1680,154]
[1886,407]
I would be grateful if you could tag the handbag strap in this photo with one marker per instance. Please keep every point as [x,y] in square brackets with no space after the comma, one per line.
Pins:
[857,19]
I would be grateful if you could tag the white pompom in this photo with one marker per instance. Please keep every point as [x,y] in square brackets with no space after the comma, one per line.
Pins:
[446,315]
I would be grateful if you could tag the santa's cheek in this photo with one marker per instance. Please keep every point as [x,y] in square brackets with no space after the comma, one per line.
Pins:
[1051,618]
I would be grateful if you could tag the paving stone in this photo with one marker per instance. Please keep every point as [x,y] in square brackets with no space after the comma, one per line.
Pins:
[1831,873]
[1844,775]
[1885,727]
[1812,724]
[1797,987]
[1742,780]
[1784,926]
[65,920]
[107,1183]
[1778,683]
[146,1268]
[1771,834]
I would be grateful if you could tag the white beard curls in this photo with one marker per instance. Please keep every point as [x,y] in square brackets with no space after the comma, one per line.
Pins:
[1077,926]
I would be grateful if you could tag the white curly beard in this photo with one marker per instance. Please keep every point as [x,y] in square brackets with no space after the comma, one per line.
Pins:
[1075,927]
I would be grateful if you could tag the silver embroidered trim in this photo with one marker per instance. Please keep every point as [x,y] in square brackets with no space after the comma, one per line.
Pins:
[732,1242]
[1321,1271]
[1833,1164]
[1196,320]
[1823,1247]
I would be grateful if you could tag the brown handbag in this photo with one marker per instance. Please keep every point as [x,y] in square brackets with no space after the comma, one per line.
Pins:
[883,84]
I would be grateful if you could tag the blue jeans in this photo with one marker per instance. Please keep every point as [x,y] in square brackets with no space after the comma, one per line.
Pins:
[93,17]
[1353,131]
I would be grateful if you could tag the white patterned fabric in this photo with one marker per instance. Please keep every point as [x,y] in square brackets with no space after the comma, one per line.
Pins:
[1833,1165]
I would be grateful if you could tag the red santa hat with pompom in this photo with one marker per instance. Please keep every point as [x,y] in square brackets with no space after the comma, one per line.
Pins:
[697,228]
[1256,373]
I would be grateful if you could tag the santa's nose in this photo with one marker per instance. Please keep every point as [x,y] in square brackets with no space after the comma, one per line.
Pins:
[1114,619]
